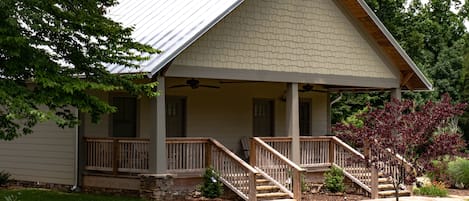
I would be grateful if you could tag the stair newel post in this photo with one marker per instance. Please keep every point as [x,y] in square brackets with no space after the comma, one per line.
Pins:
[252,153]
[374,171]
[252,186]
[331,151]
[296,184]
[252,176]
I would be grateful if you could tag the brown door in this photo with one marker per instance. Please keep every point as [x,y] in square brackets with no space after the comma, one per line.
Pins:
[263,116]
[175,116]
[305,117]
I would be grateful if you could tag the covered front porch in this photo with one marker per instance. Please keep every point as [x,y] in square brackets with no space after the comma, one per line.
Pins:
[226,110]
[197,123]
[270,158]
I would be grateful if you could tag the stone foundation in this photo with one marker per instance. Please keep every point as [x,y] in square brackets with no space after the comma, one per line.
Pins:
[31,184]
[158,187]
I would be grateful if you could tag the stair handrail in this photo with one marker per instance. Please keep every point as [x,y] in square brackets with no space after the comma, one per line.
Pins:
[348,147]
[354,173]
[222,160]
[289,182]
[387,168]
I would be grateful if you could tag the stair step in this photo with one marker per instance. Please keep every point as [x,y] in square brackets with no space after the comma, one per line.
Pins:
[385,187]
[259,181]
[391,193]
[272,195]
[383,180]
[266,188]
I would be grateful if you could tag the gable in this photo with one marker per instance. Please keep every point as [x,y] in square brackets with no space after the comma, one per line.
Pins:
[303,36]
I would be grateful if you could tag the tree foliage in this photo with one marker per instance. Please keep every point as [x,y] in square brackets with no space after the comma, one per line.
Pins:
[52,53]
[418,133]
[434,35]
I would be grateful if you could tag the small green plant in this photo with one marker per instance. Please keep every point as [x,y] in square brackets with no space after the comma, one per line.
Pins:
[4,177]
[212,186]
[304,184]
[458,171]
[436,189]
[11,198]
[334,180]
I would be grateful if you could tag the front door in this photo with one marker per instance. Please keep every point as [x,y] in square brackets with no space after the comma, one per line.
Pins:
[263,116]
[175,116]
[305,117]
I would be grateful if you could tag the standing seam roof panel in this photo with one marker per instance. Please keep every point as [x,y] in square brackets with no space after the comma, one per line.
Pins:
[168,25]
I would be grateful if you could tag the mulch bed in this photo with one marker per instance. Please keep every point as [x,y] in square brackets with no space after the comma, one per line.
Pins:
[459,192]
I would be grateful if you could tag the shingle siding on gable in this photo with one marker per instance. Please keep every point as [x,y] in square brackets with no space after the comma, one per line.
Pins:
[303,36]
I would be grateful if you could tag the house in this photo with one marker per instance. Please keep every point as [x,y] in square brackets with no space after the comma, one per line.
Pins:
[229,70]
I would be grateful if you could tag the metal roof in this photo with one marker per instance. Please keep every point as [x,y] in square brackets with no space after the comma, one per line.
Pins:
[168,25]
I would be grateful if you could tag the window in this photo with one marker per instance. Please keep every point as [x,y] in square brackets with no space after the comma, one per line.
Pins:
[124,120]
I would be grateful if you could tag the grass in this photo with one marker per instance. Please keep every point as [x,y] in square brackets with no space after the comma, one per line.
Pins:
[48,195]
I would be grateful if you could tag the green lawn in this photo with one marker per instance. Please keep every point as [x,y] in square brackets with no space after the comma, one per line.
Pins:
[47,195]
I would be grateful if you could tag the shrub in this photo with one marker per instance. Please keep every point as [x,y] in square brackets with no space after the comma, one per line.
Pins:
[334,180]
[436,189]
[4,177]
[212,186]
[438,170]
[458,171]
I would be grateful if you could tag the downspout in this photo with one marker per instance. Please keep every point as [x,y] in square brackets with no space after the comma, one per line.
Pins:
[75,187]
[337,99]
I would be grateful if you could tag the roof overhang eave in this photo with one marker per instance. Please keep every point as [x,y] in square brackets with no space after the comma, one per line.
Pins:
[396,45]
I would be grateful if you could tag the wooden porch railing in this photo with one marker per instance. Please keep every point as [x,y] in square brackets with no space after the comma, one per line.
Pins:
[276,167]
[187,154]
[117,155]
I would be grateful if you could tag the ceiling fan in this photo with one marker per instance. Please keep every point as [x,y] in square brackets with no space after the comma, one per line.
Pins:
[311,88]
[238,82]
[194,84]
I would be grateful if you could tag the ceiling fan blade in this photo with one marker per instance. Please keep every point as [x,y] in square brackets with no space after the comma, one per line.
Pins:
[237,82]
[209,86]
[179,86]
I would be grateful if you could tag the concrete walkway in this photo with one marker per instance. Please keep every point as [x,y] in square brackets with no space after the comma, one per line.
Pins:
[419,198]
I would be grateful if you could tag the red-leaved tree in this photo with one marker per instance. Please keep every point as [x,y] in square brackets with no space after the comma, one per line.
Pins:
[418,134]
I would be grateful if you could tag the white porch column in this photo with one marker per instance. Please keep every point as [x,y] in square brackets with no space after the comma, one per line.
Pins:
[157,148]
[293,123]
[396,93]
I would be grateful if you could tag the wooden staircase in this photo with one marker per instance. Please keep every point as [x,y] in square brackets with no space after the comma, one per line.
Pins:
[386,188]
[266,190]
